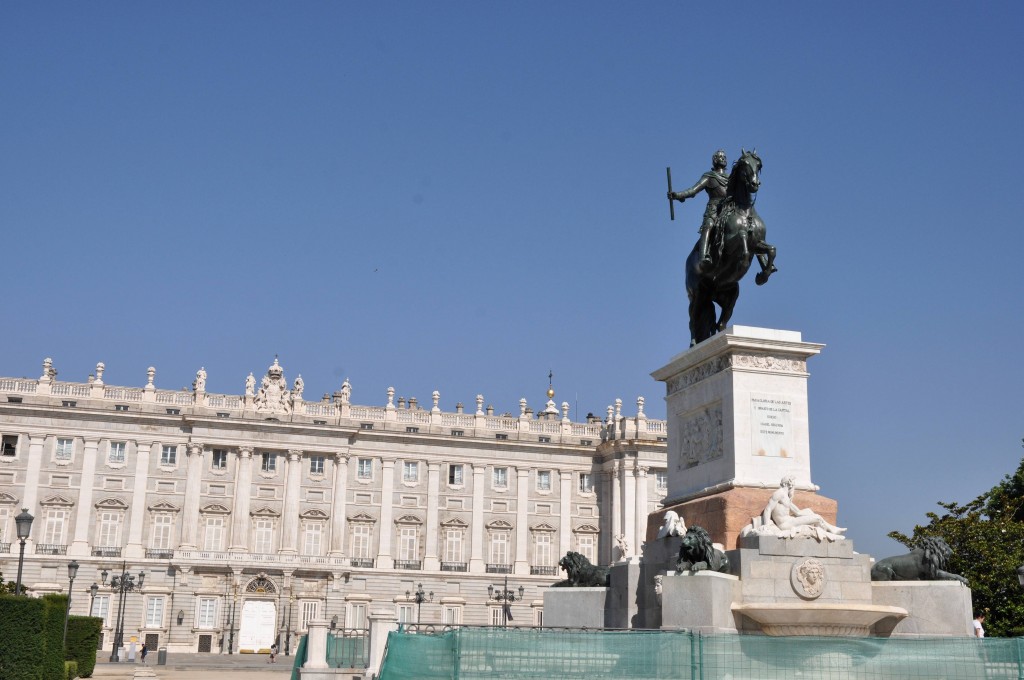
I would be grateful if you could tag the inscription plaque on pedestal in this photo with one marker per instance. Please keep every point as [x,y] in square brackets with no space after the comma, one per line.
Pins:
[771,427]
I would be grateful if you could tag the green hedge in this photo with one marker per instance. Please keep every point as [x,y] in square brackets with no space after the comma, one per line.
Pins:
[31,630]
[83,639]
[70,670]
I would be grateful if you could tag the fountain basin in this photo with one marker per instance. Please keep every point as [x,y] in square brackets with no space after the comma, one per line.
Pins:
[807,618]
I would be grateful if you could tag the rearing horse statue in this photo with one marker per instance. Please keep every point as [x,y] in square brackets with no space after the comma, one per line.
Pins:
[740,234]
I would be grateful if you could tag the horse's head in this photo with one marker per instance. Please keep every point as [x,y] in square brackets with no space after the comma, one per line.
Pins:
[748,170]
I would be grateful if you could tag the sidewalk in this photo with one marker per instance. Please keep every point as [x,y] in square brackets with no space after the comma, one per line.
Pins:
[200,667]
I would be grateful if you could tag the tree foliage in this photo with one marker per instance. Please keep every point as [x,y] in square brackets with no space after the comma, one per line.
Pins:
[987,538]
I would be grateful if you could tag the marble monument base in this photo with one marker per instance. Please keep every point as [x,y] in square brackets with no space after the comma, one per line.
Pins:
[576,607]
[699,601]
[937,608]
[724,514]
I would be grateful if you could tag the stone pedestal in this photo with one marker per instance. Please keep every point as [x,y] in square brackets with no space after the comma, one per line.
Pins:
[937,608]
[737,413]
[623,604]
[701,602]
[576,607]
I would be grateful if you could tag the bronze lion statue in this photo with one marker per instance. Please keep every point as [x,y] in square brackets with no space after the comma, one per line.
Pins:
[580,573]
[927,562]
[698,553]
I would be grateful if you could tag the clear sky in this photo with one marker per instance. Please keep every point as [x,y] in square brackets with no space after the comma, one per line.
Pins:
[463,195]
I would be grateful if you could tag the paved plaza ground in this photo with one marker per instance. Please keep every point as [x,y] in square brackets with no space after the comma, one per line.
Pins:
[200,667]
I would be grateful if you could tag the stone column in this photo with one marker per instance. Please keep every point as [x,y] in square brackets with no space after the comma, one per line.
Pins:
[292,489]
[629,505]
[522,564]
[80,545]
[564,512]
[431,561]
[381,623]
[640,534]
[316,645]
[387,498]
[476,548]
[143,453]
[193,487]
[240,509]
[338,508]
[34,465]
[616,500]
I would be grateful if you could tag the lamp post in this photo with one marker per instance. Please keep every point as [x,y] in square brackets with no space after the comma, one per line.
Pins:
[93,589]
[419,597]
[24,523]
[122,583]
[506,597]
[72,572]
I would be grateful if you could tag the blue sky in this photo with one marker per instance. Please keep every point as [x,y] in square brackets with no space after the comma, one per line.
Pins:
[461,196]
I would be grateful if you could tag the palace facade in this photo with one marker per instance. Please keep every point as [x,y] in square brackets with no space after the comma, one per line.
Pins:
[251,515]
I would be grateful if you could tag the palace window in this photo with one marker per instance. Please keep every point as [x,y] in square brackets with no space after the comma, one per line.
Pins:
[268,462]
[56,523]
[543,480]
[310,608]
[312,538]
[406,613]
[542,549]
[101,609]
[214,538]
[455,475]
[453,545]
[316,465]
[661,481]
[5,516]
[219,460]
[360,548]
[364,468]
[355,617]
[264,536]
[206,612]
[161,531]
[496,619]
[64,449]
[585,546]
[116,452]
[408,543]
[169,455]
[451,615]
[410,471]
[155,611]
[9,445]
[499,478]
[108,528]
[499,547]
[586,484]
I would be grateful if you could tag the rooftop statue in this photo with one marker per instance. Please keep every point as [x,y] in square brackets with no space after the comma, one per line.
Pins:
[732,233]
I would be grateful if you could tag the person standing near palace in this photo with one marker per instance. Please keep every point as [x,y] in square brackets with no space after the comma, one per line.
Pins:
[979,630]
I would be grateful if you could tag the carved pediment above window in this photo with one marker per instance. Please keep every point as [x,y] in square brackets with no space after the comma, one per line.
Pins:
[361,517]
[56,499]
[8,499]
[543,526]
[265,511]
[499,525]
[313,514]
[455,523]
[408,519]
[164,506]
[112,504]
[215,509]
[586,529]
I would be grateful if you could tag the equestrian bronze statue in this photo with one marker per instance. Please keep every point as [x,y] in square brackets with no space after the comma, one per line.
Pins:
[732,234]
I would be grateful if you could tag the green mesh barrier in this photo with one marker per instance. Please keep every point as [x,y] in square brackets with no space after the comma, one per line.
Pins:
[471,653]
[350,649]
[300,657]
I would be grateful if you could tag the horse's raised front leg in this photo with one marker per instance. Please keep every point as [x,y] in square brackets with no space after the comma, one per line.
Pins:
[766,258]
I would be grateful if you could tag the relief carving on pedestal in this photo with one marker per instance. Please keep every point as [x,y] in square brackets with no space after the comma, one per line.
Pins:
[767,362]
[700,437]
[696,374]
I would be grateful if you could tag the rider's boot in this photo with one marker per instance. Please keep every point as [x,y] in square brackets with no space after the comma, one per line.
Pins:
[702,247]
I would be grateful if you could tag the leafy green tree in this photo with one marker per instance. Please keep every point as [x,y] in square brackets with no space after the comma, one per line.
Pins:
[987,538]
[7,587]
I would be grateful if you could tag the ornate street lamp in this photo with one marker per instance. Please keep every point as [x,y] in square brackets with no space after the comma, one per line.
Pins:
[72,572]
[419,597]
[122,583]
[93,589]
[506,597]
[24,523]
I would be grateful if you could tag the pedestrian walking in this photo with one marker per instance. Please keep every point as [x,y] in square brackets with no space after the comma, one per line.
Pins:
[145,650]
[273,653]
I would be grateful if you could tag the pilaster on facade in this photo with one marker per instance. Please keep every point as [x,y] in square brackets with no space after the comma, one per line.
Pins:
[32,473]
[143,451]
[293,489]
[193,489]
[432,560]
[476,555]
[387,498]
[338,503]
[521,564]
[629,502]
[80,544]
[616,510]
[565,512]
[640,512]
[243,492]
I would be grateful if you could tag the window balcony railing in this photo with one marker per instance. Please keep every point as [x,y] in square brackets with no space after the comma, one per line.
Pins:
[544,571]
[106,551]
[499,568]
[5,547]
[159,554]
[361,562]
[51,549]
[454,566]
[408,564]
